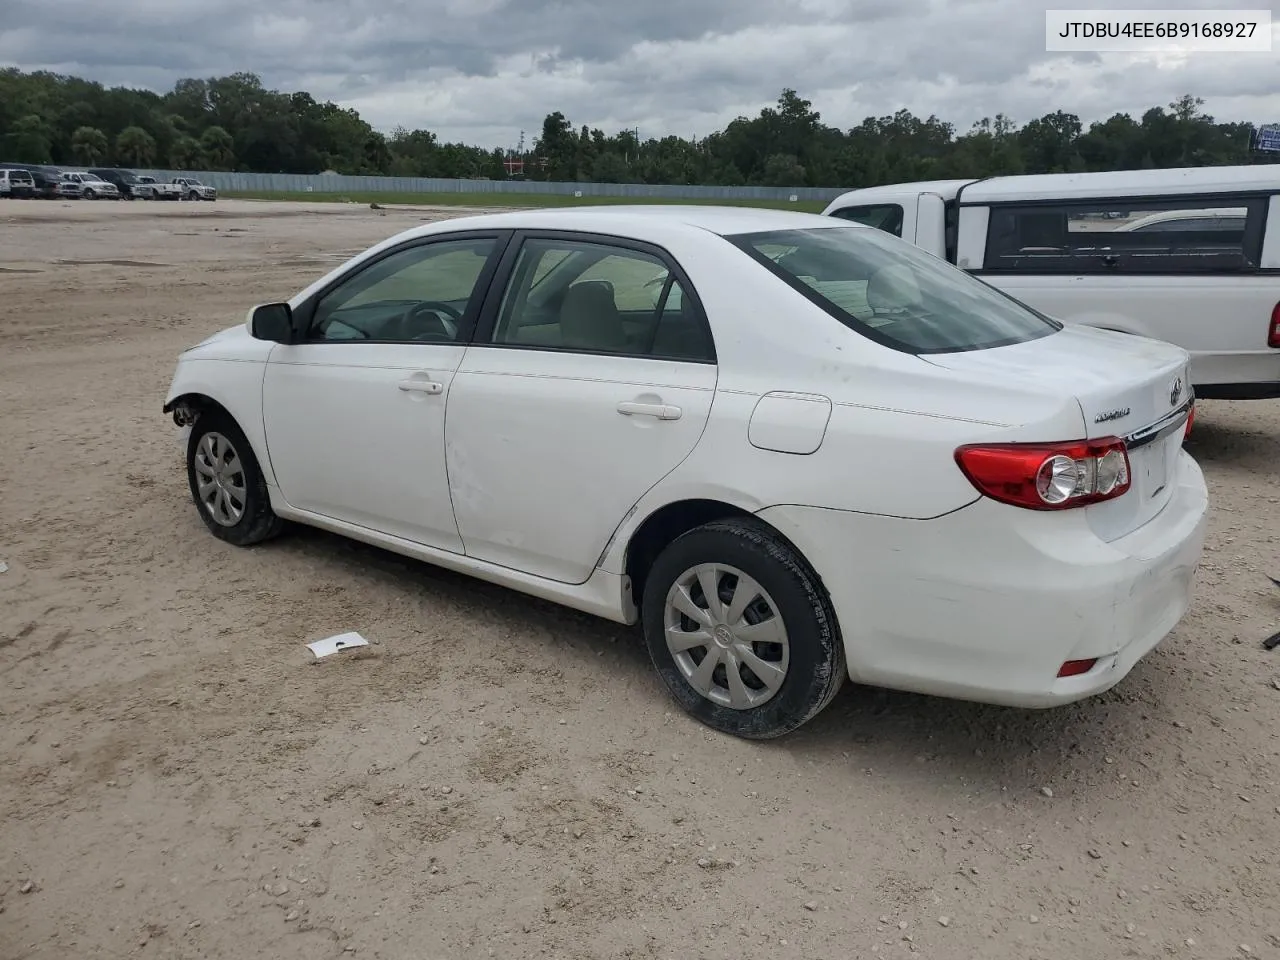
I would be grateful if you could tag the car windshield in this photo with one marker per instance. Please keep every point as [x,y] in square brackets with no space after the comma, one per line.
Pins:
[91,177]
[892,291]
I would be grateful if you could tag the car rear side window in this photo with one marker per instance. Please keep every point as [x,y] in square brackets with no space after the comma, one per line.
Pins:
[893,292]
[1177,235]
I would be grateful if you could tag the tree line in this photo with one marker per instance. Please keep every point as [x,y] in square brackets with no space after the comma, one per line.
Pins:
[235,123]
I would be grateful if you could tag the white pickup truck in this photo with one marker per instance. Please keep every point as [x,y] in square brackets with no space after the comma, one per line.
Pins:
[1190,256]
[149,188]
[193,189]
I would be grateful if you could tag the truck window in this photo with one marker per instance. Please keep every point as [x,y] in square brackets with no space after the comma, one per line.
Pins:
[885,216]
[1182,235]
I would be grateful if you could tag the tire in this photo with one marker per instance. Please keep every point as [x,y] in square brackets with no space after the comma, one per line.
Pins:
[193,195]
[813,665]
[90,195]
[215,436]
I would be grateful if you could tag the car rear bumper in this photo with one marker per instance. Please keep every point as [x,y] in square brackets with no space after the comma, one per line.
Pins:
[987,603]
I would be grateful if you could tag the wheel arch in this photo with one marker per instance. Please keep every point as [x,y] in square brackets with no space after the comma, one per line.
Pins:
[673,519]
[189,401]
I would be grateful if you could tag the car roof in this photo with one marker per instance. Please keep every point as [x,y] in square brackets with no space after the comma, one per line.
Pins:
[639,221]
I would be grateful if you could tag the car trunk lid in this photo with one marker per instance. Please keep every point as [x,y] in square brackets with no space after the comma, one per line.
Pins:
[1130,387]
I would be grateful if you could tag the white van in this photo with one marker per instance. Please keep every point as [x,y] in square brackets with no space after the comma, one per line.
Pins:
[1190,256]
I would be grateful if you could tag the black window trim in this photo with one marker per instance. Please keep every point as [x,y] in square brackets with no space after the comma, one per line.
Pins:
[482,335]
[1257,202]
[743,241]
[305,313]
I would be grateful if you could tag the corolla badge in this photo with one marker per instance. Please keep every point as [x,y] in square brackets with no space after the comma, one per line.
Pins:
[1175,392]
[1109,415]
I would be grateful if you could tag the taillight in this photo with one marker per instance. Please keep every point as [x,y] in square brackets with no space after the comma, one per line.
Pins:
[1273,335]
[1048,476]
[1191,418]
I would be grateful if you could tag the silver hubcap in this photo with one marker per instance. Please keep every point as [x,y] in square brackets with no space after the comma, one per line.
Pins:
[220,479]
[726,636]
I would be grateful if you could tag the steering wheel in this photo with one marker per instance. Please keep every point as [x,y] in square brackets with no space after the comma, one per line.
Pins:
[448,323]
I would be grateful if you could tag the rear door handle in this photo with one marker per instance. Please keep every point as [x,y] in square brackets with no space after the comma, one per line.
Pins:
[663,411]
[422,386]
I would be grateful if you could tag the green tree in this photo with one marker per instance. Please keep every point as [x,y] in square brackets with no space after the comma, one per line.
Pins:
[185,154]
[136,147]
[89,145]
[30,140]
[235,122]
[219,148]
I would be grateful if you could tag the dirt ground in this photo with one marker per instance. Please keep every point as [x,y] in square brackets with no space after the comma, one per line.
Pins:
[500,777]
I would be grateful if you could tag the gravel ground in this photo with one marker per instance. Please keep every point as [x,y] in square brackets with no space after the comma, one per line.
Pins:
[496,776]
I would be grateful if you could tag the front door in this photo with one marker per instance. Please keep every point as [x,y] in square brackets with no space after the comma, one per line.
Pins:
[354,415]
[590,379]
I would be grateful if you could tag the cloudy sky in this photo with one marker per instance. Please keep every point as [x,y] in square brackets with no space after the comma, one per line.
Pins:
[482,70]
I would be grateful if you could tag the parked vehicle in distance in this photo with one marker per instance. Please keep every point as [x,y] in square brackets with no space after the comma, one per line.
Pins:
[16,184]
[91,186]
[123,180]
[193,189]
[793,448]
[45,179]
[149,188]
[1188,256]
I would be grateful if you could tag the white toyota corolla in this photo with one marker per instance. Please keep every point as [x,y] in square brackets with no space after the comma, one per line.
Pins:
[793,448]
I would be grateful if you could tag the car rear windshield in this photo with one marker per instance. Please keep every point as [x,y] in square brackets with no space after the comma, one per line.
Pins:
[892,291]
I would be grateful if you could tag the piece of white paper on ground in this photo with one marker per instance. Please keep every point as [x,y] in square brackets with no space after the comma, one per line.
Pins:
[331,645]
[4,567]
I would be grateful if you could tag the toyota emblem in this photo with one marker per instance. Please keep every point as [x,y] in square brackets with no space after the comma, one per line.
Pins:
[1175,392]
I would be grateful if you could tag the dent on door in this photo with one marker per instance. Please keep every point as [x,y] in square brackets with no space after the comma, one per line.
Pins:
[789,422]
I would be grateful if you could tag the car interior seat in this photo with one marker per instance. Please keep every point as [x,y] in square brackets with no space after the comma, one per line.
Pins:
[589,318]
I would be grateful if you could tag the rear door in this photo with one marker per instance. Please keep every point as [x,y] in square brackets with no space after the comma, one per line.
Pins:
[590,379]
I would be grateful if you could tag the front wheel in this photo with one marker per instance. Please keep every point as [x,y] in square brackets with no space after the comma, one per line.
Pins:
[193,195]
[227,483]
[741,631]
[90,195]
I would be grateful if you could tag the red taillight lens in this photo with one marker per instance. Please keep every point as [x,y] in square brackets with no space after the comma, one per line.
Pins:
[1273,335]
[1048,476]
[1191,419]
[1075,668]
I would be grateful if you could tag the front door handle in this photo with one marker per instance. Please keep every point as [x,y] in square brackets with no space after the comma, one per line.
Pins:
[422,386]
[663,411]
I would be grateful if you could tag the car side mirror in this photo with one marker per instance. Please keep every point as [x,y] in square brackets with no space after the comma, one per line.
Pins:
[272,321]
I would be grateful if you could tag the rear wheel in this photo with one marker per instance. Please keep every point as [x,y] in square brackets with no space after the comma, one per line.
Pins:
[741,631]
[227,483]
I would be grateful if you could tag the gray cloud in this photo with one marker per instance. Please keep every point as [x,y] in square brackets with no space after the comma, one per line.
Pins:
[482,70]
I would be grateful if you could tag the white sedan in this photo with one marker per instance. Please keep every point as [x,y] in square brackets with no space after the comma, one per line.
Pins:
[794,448]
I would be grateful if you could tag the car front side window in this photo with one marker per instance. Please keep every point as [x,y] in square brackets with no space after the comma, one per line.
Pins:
[599,298]
[422,293]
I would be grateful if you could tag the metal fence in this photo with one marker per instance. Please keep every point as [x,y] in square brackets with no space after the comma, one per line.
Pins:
[340,184]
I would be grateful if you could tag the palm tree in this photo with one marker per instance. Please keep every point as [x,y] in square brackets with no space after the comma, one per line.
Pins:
[219,148]
[186,154]
[89,145]
[136,146]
